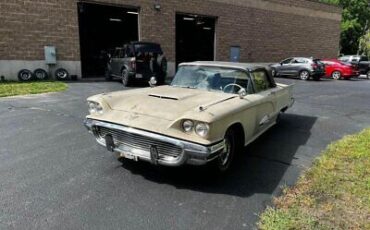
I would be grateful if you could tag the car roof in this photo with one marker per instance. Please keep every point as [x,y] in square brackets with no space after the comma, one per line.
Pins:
[236,65]
[146,43]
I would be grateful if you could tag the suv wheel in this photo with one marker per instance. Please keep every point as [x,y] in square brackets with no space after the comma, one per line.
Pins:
[336,75]
[107,75]
[125,77]
[304,75]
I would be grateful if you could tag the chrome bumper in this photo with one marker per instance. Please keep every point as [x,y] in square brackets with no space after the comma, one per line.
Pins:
[191,153]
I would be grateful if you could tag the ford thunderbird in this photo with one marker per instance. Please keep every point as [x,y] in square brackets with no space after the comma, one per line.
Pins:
[209,112]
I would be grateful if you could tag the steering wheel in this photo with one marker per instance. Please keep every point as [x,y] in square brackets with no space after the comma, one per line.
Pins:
[229,85]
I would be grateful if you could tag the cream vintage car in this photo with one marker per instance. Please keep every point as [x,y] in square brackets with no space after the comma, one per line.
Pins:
[207,114]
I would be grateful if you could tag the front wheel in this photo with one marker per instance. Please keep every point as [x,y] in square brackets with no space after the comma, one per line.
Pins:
[225,160]
[336,75]
[304,75]
[125,78]
[273,72]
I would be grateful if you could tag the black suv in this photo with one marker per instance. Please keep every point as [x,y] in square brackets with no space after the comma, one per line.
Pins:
[304,68]
[361,62]
[137,61]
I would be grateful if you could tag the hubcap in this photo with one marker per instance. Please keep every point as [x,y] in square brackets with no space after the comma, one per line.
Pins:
[304,75]
[26,76]
[62,74]
[224,157]
[273,73]
[336,75]
[40,75]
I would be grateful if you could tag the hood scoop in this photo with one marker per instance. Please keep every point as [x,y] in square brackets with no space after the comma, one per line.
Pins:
[164,97]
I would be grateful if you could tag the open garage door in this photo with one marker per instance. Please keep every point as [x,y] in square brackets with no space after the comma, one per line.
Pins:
[195,38]
[102,28]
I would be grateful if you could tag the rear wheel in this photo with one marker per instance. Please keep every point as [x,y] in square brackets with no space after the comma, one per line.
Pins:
[368,74]
[304,75]
[336,75]
[125,77]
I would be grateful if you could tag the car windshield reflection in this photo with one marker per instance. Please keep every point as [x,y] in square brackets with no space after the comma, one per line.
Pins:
[215,79]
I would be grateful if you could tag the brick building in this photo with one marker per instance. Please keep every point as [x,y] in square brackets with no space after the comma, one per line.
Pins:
[256,30]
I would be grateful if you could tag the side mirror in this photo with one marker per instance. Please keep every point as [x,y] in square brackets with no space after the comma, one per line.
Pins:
[281,63]
[242,93]
[153,81]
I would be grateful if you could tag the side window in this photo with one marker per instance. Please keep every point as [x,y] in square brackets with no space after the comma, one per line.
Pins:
[129,52]
[364,58]
[299,60]
[122,53]
[287,61]
[261,81]
[116,53]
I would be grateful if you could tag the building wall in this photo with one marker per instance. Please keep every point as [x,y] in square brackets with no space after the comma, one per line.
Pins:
[266,30]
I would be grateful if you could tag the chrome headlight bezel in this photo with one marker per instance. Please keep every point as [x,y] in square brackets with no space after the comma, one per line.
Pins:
[187,126]
[202,129]
[95,107]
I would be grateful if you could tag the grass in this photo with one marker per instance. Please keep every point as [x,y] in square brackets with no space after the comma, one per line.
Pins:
[10,88]
[333,194]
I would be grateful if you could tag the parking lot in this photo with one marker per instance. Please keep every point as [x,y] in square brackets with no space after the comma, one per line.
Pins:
[53,175]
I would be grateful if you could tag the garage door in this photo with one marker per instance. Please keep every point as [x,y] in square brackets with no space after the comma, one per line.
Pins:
[195,38]
[102,29]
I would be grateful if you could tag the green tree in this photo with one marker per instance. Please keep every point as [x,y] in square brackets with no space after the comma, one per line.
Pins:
[355,20]
[365,44]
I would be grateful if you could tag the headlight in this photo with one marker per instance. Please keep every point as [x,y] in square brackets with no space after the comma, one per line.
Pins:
[187,125]
[202,129]
[95,107]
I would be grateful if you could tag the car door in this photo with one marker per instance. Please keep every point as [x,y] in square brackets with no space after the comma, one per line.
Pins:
[285,65]
[296,66]
[267,101]
[119,61]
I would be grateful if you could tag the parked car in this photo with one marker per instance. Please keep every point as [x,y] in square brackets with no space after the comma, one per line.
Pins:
[304,68]
[137,61]
[208,113]
[361,61]
[339,70]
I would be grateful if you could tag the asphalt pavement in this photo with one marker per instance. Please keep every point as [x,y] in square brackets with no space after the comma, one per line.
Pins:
[53,175]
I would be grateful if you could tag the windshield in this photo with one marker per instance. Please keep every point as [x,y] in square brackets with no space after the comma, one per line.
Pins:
[208,78]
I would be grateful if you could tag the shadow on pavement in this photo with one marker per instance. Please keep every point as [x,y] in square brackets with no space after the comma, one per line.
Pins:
[258,170]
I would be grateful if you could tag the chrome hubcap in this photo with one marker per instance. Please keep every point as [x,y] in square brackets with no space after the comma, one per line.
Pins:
[26,76]
[224,157]
[304,75]
[62,74]
[336,75]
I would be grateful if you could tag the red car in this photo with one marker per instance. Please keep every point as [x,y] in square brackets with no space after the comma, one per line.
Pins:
[339,70]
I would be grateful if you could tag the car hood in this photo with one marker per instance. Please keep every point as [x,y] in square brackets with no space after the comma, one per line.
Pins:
[164,102]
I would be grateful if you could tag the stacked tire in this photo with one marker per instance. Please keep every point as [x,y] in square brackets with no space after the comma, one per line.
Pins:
[39,74]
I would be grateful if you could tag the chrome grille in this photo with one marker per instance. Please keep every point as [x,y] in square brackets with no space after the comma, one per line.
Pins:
[139,142]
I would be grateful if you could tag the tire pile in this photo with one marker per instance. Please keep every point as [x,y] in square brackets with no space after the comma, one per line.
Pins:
[42,75]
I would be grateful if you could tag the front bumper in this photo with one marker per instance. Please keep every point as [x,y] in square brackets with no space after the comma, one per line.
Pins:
[191,153]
